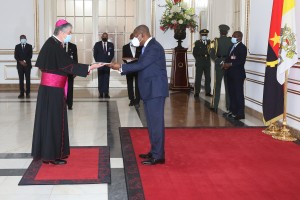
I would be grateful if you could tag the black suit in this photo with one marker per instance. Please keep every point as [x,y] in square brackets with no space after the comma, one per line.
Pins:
[24,55]
[72,52]
[104,72]
[235,79]
[131,76]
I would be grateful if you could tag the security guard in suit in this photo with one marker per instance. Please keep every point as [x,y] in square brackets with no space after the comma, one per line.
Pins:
[201,54]
[218,52]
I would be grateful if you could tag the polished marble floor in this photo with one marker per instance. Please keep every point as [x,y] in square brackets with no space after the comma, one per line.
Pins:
[92,122]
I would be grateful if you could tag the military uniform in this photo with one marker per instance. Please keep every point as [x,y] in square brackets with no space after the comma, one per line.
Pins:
[201,54]
[219,50]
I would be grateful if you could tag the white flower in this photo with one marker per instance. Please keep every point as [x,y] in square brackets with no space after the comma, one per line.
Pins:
[187,17]
[180,21]
[175,9]
[184,5]
[170,16]
[174,21]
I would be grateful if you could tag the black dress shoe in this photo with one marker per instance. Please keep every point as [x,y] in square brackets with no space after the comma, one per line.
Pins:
[106,96]
[100,96]
[27,95]
[56,162]
[153,161]
[226,114]
[196,95]
[137,105]
[70,108]
[238,117]
[146,156]
[131,103]
[208,95]
[21,96]
[214,110]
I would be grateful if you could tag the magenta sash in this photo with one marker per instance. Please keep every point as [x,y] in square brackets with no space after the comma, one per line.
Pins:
[54,80]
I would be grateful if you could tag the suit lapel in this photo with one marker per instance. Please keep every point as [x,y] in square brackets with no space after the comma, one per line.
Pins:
[151,42]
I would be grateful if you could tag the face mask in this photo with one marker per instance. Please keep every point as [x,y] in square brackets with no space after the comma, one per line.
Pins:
[204,37]
[68,39]
[234,40]
[135,42]
[23,41]
[104,39]
[130,41]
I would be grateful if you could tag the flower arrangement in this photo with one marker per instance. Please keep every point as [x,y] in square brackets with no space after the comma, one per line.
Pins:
[178,13]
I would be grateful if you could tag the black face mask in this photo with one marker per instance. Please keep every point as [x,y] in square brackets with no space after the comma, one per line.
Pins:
[104,39]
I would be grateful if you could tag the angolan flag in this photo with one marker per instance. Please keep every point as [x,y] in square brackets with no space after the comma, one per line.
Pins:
[282,54]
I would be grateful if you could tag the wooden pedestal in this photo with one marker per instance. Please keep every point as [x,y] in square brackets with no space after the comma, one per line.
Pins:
[179,71]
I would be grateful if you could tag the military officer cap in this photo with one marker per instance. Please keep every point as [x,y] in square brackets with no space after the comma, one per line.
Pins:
[204,32]
[224,27]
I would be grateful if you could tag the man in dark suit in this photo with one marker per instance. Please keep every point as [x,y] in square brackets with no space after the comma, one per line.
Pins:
[153,86]
[71,49]
[23,55]
[235,69]
[130,56]
[104,52]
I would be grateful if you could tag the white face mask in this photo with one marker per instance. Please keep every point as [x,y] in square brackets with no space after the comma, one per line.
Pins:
[23,41]
[68,38]
[204,37]
[135,42]
[234,40]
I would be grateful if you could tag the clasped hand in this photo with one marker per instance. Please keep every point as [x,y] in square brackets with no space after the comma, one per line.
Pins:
[23,63]
[115,66]
[226,65]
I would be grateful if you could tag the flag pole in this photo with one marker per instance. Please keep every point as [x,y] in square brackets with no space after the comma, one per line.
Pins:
[284,134]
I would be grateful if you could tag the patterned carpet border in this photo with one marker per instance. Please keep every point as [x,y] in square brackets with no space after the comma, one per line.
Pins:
[132,175]
[104,171]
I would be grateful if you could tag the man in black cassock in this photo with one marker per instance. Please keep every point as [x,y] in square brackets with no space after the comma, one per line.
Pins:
[50,135]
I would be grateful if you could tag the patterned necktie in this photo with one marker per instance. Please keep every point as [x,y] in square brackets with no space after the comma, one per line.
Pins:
[23,47]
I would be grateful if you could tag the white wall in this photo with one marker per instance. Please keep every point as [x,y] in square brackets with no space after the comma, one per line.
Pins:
[30,23]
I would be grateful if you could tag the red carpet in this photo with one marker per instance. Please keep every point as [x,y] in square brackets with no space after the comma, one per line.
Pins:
[213,164]
[85,165]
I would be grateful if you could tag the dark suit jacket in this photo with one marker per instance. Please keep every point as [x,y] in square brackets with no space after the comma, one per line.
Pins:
[23,55]
[237,70]
[152,71]
[99,54]
[127,53]
[72,51]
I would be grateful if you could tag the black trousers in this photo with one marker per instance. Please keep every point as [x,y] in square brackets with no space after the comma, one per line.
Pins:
[133,93]
[24,71]
[236,95]
[103,80]
[70,90]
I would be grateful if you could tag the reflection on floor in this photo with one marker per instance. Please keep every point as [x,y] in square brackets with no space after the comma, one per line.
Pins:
[92,122]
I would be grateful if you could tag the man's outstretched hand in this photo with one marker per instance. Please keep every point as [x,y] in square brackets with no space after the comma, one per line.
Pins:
[115,66]
[96,65]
